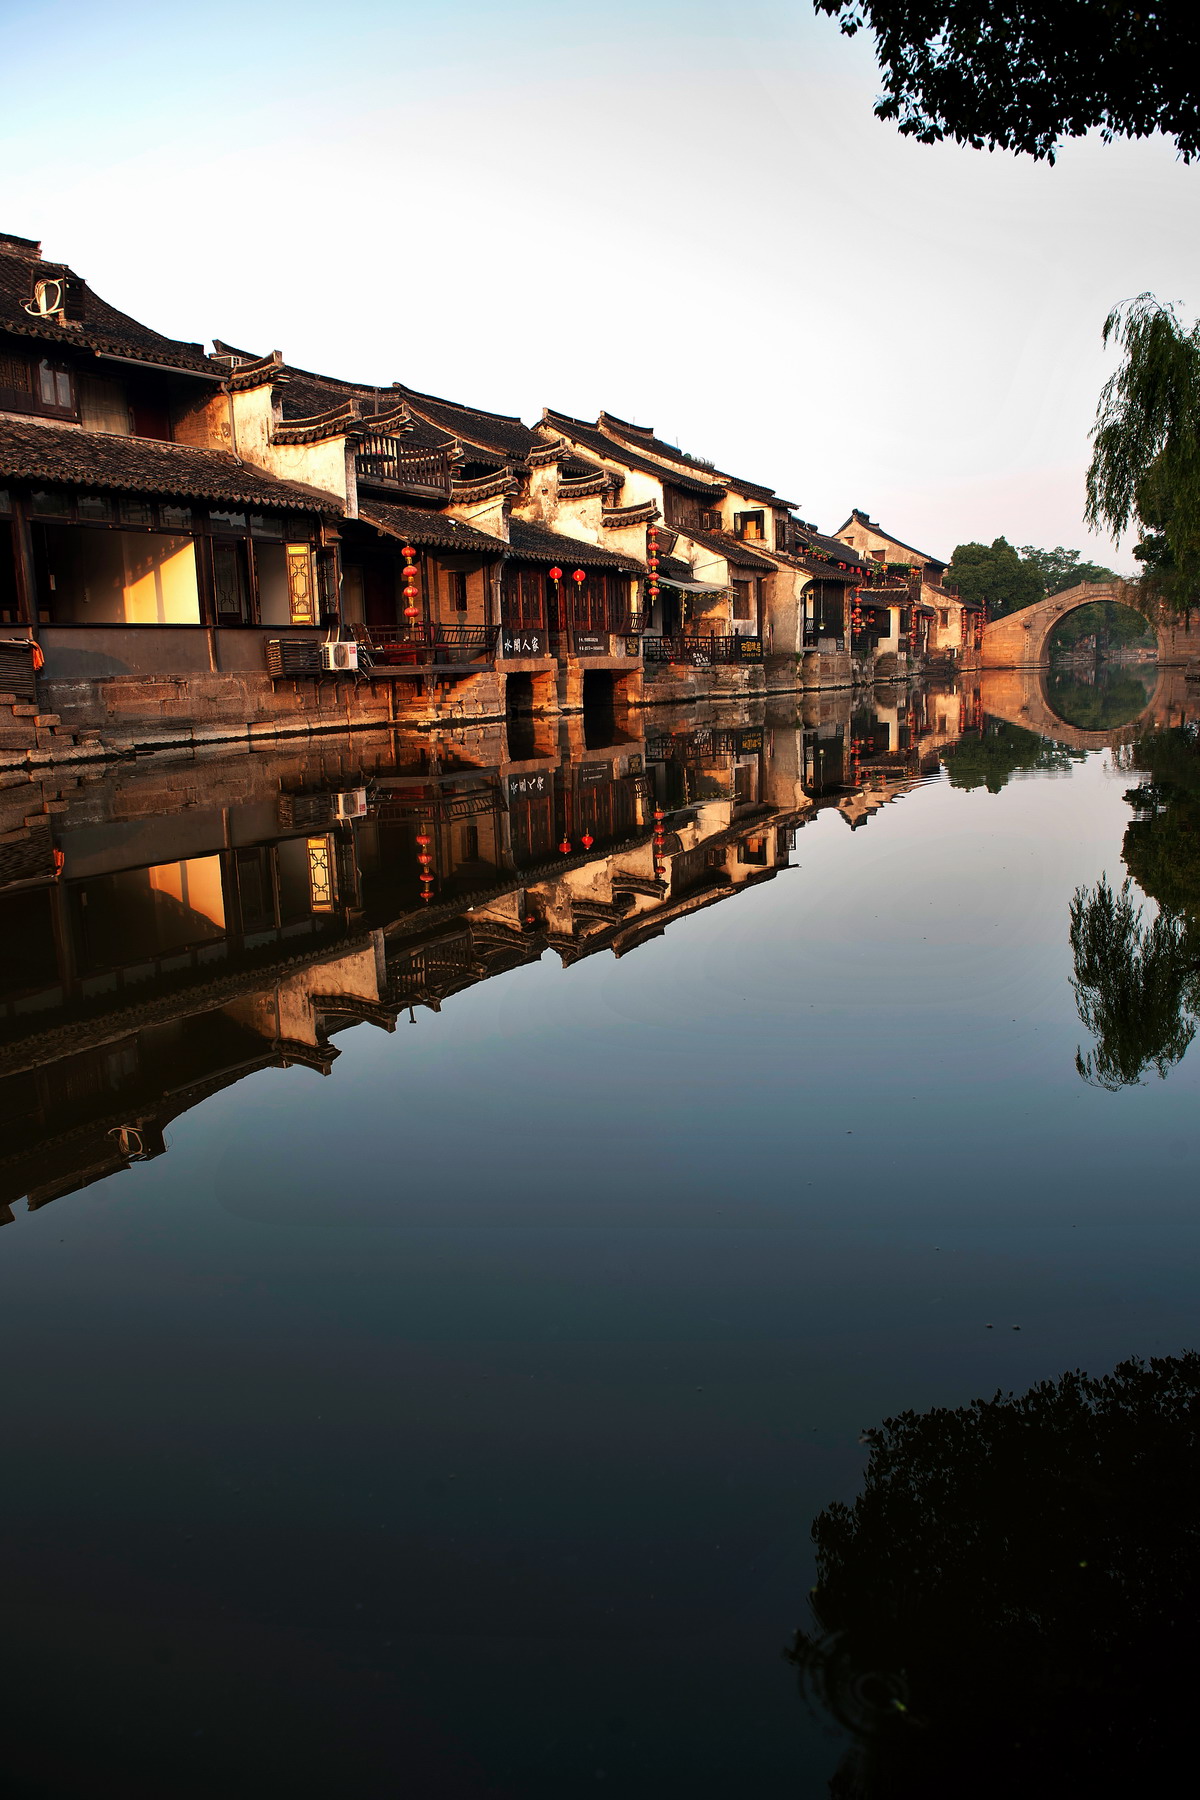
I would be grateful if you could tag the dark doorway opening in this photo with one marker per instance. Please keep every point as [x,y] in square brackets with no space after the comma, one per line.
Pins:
[599,708]
[518,707]
[518,695]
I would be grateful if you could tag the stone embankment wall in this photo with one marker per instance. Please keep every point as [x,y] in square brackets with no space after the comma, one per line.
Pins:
[78,719]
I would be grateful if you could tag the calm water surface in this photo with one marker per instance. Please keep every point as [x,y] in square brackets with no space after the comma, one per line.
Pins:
[454,1425]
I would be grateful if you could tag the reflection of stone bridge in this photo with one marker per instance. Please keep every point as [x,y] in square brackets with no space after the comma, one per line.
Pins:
[1019,696]
[1022,640]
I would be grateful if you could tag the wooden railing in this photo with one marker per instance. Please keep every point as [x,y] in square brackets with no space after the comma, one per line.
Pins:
[702,652]
[398,809]
[434,969]
[384,459]
[423,646]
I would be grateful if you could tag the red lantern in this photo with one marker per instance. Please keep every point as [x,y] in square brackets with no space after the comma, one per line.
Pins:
[578,576]
[407,550]
[587,840]
[565,846]
[556,573]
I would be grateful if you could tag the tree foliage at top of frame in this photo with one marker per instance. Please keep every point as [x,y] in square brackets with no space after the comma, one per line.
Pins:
[1019,75]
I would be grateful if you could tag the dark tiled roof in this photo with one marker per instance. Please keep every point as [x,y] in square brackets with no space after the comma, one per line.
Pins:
[497,438]
[580,432]
[433,528]
[733,549]
[537,543]
[642,436]
[305,396]
[858,517]
[98,325]
[823,571]
[673,568]
[833,547]
[500,433]
[96,459]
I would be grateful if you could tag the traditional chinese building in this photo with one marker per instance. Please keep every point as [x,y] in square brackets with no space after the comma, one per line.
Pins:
[928,620]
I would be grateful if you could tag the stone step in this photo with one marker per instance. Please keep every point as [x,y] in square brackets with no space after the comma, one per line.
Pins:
[25,711]
[48,719]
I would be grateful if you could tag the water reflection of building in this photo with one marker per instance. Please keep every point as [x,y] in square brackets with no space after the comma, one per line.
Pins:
[169,930]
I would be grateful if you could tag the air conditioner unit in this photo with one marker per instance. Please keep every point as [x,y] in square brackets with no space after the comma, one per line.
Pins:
[340,656]
[350,805]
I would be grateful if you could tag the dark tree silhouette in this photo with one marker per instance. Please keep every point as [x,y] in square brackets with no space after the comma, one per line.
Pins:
[1023,74]
[1135,986]
[1010,1605]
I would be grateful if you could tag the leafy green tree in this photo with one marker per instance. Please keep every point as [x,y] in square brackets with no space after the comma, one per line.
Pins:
[1145,464]
[1009,1606]
[1022,74]
[1060,568]
[995,575]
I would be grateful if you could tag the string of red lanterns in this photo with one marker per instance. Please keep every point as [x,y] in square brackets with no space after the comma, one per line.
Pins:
[412,592]
[425,863]
[651,565]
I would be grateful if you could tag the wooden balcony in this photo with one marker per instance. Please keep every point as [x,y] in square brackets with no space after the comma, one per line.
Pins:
[702,652]
[426,646]
[382,461]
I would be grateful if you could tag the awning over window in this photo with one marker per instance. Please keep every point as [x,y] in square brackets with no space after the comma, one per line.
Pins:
[694,587]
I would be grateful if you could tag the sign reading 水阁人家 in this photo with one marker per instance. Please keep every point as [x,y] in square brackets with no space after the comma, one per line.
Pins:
[524,640]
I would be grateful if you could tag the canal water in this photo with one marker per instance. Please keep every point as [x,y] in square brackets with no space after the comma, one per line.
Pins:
[440,1295]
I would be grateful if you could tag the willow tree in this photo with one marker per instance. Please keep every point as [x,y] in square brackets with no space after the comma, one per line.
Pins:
[1145,467]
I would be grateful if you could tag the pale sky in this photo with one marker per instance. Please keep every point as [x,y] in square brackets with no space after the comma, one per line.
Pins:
[686,214]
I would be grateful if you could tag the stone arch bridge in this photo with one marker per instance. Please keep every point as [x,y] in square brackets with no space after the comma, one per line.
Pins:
[1022,640]
[1016,652]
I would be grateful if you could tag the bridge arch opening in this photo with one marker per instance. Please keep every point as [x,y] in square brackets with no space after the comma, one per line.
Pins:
[1099,697]
[1024,639]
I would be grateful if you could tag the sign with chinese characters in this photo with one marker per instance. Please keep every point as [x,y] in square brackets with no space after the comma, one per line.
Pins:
[530,787]
[592,774]
[591,643]
[529,640]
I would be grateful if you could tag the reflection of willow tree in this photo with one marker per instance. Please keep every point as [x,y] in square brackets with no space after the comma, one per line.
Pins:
[1010,1604]
[1162,845]
[1137,985]
[991,757]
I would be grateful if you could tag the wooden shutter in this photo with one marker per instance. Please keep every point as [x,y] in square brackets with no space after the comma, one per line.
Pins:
[302,593]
